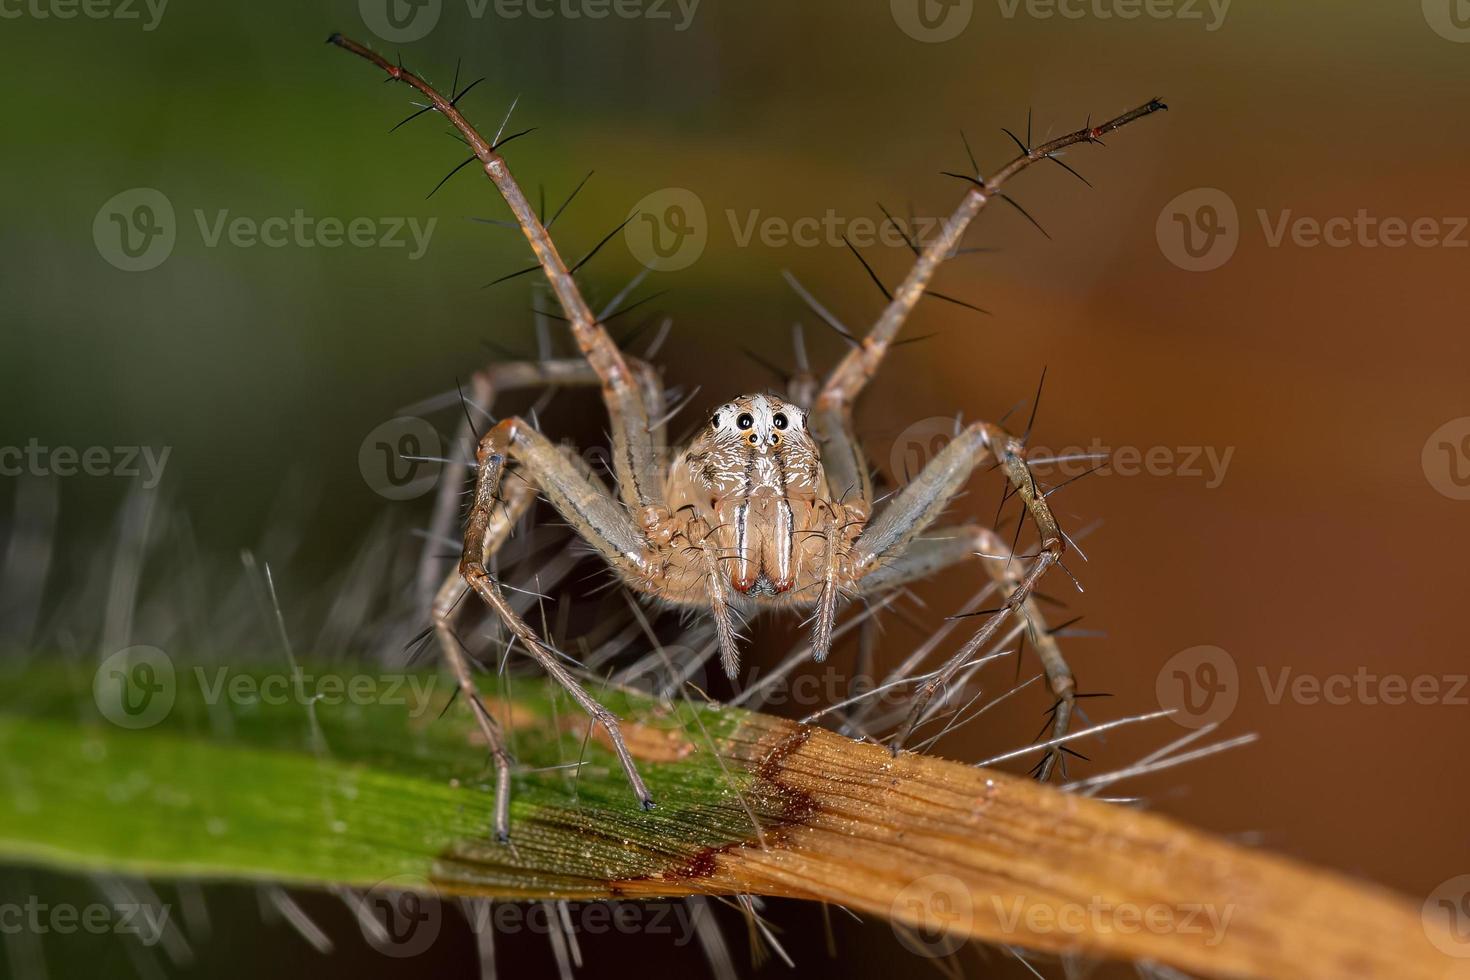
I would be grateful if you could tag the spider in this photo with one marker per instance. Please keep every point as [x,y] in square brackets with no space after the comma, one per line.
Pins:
[769,506]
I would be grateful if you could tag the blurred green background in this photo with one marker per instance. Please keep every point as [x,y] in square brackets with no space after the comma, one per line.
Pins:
[1332,544]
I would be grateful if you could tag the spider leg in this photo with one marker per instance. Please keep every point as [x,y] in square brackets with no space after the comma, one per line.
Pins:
[915,508]
[717,590]
[862,362]
[635,462]
[945,547]
[825,616]
[849,480]
[484,386]
[656,424]
[920,503]
[597,518]
[802,384]
[843,460]
[520,495]
[935,551]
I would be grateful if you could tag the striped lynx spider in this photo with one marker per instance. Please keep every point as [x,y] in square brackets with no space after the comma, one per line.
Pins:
[770,506]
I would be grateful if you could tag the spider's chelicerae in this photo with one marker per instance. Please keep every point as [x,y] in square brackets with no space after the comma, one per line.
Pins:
[770,505]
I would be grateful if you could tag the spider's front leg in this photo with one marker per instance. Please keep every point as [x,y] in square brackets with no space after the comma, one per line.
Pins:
[597,518]
[831,413]
[635,439]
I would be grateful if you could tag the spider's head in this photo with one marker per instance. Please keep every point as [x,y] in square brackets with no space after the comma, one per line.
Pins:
[754,446]
[762,423]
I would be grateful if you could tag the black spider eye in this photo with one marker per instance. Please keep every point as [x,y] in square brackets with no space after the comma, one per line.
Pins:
[779,420]
[745,421]
[715,421]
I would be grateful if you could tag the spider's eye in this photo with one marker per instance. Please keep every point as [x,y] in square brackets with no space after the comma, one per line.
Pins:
[779,420]
[745,421]
[715,421]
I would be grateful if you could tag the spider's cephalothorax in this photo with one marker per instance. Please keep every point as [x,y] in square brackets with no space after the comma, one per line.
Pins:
[752,522]
[769,505]
[752,481]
